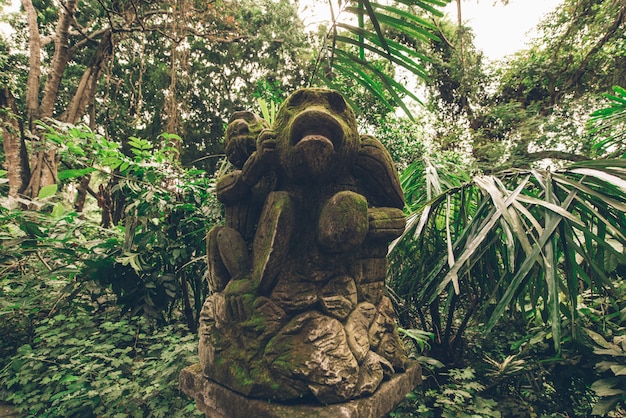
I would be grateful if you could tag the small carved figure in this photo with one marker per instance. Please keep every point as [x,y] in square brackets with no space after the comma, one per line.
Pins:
[298,309]
[243,193]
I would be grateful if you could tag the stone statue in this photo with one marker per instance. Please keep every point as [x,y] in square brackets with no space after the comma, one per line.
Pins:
[298,310]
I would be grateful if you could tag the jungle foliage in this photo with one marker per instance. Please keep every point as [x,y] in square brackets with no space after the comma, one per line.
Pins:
[509,279]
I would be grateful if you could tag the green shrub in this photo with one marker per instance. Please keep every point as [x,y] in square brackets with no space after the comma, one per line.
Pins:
[77,366]
[458,397]
[43,253]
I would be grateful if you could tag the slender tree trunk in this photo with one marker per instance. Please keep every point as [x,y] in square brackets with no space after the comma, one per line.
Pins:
[191,322]
[16,164]
[84,98]
[171,104]
[86,90]
[59,59]
[460,33]
[34,64]
[44,164]
[81,193]
[178,58]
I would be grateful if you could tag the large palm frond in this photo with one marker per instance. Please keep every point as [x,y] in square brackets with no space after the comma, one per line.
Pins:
[609,124]
[355,50]
[524,241]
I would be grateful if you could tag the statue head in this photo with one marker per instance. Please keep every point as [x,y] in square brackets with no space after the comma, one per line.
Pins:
[240,137]
[316,138]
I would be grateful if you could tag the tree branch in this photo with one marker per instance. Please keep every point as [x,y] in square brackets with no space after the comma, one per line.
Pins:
[611,30]
[93,38]
[556,155]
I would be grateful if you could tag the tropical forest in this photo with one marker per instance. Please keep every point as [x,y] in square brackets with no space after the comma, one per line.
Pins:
[508,281]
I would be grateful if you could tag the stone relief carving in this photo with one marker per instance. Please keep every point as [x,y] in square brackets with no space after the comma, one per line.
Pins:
[297,274]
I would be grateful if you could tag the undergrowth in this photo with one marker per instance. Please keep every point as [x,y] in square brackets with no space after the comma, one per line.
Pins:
[81,366]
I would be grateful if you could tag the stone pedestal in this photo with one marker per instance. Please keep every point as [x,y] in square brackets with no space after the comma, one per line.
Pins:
[216,401]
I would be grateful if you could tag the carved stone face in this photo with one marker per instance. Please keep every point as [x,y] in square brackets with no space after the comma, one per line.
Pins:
[240,138]
[316,136]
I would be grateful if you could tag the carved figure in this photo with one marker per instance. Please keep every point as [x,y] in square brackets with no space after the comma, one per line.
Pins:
[243,193]
[298,309]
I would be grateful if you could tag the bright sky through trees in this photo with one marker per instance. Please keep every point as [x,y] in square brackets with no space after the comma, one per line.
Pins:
[502,30]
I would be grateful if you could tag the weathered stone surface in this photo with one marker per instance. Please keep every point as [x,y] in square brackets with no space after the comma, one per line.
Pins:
[293,293]
[339,297]
[370,374]
[343,222]
[390,348]
[234,252]
[243,191]
[368,311]
[373,269]
[374,248]
[271,242]
[375,169]
[313,349]
[230,189]
[371,292]
[240,137]
[385,307]
[243,217]
[357,326]
[218,276]
[216,401]
[382,324]
[385,223]
[316,137]
[268,318]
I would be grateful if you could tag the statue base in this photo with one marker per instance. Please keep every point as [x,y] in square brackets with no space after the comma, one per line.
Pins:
[217,401]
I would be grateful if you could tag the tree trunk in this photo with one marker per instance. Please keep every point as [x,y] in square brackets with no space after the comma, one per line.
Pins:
[84,98]
[34,64]
[45,163]
[86,90]
[59,59]
[16,164]
[191,322]
[81,193]
[105,203]
[460,33]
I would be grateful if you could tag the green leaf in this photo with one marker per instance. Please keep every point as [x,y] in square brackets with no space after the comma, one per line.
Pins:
[430,361]
[47,191]
[619,90]
[74,173]
[603,406]
[607,387]
[619,369]
[396,58]
[58,210]
[529,261]
[374,19]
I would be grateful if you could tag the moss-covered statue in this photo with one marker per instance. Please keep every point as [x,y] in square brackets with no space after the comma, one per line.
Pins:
[298,309]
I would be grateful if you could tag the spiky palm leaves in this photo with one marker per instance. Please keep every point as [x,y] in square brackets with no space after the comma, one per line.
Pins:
[522,242]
